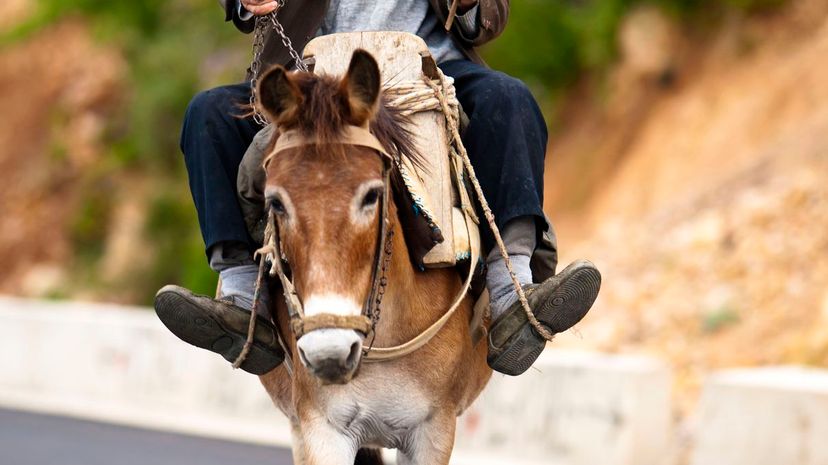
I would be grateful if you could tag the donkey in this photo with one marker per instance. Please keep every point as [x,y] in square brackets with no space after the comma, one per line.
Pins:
[327,196]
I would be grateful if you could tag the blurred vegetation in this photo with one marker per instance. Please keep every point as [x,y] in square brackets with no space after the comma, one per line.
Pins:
[166,44]
[172,46]
[550,44]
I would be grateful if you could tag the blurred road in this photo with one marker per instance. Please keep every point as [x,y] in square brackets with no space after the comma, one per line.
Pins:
[32,439]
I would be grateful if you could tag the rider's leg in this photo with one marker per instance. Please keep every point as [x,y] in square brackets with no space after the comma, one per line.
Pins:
[214,139]
[506,140]
[519,236]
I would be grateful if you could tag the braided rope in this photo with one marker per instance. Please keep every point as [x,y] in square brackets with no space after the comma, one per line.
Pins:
[251,326]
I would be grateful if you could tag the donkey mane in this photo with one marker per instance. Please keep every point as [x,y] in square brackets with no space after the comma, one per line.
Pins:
[324,114]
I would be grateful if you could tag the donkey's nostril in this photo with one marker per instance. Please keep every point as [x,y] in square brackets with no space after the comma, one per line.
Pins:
[353,356]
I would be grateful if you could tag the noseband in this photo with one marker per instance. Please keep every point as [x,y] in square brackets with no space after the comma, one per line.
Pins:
[366,322]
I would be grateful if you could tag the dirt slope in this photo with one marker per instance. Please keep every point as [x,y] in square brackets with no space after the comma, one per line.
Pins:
[710,223]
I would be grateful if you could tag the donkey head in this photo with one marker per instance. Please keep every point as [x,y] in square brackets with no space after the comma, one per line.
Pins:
[326,196]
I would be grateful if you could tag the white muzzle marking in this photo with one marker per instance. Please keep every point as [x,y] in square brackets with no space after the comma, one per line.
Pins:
[335,304]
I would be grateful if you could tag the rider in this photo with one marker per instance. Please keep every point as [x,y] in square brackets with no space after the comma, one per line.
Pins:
[506,139]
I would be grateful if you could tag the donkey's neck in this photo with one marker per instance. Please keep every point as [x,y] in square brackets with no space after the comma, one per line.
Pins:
[414,299]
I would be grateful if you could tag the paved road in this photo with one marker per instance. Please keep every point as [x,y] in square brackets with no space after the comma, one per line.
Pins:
[31,439]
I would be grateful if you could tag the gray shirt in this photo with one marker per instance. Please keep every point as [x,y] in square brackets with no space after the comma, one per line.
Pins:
[414,16]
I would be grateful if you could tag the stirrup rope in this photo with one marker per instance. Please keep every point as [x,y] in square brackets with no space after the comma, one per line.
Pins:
[443,93]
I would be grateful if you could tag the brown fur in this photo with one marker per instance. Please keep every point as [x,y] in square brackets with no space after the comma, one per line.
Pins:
[328,253]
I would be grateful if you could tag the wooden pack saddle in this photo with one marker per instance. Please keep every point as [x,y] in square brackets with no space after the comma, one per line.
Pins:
[436,229]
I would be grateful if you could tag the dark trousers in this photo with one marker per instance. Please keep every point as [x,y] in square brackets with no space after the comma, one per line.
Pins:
[506,140]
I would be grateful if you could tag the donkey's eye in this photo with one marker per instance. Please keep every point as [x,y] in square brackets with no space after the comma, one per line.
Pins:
[277,206]
[371,198]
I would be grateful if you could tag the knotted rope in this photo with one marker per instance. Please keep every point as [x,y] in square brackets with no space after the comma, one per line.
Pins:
[263,254]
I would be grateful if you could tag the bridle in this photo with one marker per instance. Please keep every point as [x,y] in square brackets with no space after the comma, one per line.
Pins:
[366,322]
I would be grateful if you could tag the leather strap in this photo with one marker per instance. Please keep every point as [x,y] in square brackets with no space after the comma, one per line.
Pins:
[383,354]
[378,275]
[307,324]
[351,135]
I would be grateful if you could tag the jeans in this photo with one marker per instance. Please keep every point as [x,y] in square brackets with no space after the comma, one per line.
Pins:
[506,140]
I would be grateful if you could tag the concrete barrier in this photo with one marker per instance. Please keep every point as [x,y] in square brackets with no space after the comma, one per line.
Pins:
[576,408]
[120,364]
[764,416]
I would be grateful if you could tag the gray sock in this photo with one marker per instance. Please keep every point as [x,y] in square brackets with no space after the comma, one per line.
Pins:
[499,283]
[239,282]
[238,272]
[519,239]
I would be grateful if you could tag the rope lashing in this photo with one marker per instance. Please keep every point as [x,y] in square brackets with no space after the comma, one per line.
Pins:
[417,96]
[251,326]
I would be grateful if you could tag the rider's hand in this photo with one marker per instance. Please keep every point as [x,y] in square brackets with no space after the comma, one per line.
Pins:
[260,7]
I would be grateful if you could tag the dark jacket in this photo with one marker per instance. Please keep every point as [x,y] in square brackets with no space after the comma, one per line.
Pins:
[302,19]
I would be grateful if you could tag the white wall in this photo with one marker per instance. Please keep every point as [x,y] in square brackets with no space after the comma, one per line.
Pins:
[576,408]
[764,416]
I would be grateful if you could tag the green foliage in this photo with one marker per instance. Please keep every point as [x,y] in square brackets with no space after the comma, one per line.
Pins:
[88,227]
[166,44]
[720,318]
[178,245]
[552,43]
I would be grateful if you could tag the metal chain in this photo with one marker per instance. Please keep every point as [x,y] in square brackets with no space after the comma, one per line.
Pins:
[388,250]
[277,26]
[263,23]
[255,65]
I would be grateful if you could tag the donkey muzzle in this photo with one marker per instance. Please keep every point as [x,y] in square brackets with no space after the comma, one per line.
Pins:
[332,355]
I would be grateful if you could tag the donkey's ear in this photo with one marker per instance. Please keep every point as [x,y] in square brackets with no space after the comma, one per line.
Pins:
[279,96]
[361,87]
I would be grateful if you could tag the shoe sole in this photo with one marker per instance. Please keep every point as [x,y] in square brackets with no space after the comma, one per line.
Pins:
[562,309]
[190,323]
